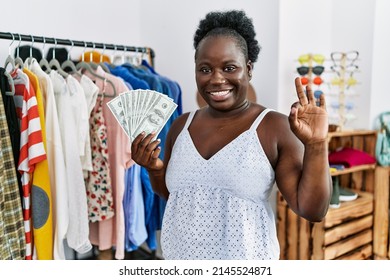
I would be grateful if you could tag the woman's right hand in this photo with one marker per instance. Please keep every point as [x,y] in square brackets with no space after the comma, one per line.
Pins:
[145,152]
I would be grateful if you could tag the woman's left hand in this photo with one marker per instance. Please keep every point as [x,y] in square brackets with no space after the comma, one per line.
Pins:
[308,121]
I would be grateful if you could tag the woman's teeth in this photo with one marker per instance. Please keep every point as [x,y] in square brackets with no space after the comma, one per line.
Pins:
[219,93]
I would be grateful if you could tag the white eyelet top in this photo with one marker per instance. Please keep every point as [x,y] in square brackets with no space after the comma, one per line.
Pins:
[218,208]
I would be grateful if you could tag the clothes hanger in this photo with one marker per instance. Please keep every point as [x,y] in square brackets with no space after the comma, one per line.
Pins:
[86,66]
[43,63]
[70,64]
[94,65]
[30,59]
[10,59]
[120,58]
[136,59]
[18,60]
[54,64]
[112,64]
[102,64]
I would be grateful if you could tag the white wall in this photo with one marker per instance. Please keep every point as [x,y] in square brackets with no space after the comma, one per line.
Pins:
[304,27]
[380,90]
[352,29]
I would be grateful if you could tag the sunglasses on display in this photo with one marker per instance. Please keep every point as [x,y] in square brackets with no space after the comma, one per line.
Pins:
[350,82]
[351,56]
[317,81]
[317,70]
[348,105]
[317,58]
[351,69]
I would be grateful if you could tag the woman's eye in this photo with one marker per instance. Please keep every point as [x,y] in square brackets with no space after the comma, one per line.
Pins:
[205,70]
[230,68]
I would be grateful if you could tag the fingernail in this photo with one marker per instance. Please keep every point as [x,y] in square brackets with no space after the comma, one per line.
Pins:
[293,109]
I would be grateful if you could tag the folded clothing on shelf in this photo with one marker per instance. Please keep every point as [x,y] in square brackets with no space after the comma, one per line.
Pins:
[350,157]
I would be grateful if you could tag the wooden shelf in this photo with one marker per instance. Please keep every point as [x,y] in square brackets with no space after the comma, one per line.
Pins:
[348,210]
[353,169]
[345,133]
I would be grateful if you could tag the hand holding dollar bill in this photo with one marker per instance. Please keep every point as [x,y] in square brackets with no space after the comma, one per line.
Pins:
[142,111]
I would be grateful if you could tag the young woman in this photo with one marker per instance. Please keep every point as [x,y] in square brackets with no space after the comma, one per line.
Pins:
[222,160]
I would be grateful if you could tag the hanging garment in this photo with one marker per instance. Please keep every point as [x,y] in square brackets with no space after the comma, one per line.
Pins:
[41,191]
[56,162]
[152,210]
[111,233]
[219,208]
[94,56]
[91,92]
[32,149]
[136,83]
[80,110]
[78,229]
[12,234]
[134,207]
[98,182]
[153,82]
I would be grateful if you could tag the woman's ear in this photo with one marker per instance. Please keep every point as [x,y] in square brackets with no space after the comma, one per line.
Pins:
[249,67]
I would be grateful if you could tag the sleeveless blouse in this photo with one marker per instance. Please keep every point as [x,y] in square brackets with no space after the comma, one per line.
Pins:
[219,208]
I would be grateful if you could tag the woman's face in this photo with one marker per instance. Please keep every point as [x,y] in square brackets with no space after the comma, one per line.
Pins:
[222,73]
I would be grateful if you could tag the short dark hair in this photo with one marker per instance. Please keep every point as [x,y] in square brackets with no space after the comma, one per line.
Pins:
[233,23]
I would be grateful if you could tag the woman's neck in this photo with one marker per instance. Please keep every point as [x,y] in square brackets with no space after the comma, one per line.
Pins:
[231,113]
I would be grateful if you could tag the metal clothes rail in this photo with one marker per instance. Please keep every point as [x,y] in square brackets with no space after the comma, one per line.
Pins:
[76,43]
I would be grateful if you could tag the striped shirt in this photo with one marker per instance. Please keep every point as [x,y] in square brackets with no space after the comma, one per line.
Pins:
[31,145]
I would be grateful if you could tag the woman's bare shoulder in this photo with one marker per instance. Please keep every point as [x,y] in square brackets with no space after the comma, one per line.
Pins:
[177,126]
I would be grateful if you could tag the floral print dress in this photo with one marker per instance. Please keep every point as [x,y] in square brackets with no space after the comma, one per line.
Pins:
[98,182]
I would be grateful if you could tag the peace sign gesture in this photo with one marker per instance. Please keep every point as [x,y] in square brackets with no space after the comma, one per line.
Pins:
[308,121]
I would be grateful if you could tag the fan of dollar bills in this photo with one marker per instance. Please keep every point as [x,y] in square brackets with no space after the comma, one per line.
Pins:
[142,110]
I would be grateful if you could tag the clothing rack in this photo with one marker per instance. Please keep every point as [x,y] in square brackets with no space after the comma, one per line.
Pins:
[84,44]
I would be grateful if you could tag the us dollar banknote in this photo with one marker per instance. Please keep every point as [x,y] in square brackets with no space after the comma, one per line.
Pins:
[117,109]
[142,111]
[156,117]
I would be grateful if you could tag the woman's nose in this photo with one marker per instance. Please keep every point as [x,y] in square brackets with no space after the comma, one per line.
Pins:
[218,77]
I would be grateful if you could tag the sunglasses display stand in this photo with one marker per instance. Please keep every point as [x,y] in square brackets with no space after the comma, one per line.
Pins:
[344,64]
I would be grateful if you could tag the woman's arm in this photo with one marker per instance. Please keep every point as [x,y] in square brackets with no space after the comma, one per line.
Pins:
[302,170]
